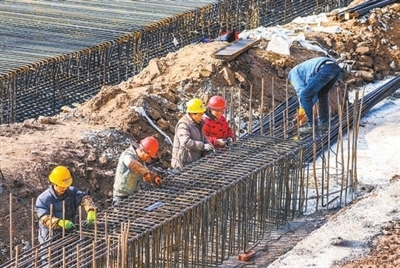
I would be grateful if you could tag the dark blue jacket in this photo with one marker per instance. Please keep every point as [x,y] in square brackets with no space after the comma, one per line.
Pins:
[72,198]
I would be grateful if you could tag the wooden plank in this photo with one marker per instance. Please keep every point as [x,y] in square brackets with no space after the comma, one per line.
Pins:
[234,49]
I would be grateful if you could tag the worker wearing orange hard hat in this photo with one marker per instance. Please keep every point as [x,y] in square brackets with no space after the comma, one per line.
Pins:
[216,128]
[49,205]
[190,143]
[131,169]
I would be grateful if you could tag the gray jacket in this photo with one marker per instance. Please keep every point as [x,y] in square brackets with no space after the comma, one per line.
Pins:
[189,142]
[126,182]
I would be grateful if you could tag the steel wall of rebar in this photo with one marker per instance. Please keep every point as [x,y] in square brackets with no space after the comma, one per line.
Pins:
[56,53]
[219,206]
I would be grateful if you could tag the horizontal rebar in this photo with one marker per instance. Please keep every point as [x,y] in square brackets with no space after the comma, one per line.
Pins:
[213,208]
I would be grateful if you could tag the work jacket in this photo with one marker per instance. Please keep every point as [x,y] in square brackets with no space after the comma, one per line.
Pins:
[73,199]
[189,142]
[126,182]
[301,73]
[216,128]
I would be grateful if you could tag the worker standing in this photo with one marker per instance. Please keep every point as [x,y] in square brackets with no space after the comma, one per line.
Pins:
[190,143]
[131,169]
[216,128]
[312,81]
[61,192]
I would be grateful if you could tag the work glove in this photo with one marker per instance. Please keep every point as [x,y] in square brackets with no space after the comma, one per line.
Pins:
[157,180]
[66,224]
[91,217]
[208,147]
[148,176]
[221,142]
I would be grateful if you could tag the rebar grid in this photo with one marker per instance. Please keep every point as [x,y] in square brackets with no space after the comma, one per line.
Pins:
[59,53]
[219,206]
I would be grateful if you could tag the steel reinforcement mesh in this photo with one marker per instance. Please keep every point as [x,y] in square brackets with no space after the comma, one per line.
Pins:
[55,53]
[219,206]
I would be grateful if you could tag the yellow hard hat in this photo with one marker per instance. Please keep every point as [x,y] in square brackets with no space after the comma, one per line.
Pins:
[195,106]
[60,176]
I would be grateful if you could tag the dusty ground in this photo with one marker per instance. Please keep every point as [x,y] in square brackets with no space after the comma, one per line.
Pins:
[89,137]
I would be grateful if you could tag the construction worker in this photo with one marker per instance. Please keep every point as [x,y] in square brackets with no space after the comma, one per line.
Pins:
[131,169]
[49,205]
[312,81]
[216,128]
[190,143]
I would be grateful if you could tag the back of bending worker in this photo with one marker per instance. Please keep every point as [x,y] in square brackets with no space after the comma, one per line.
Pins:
[312,81]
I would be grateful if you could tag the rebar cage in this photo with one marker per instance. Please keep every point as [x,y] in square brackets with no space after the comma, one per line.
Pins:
[214,208]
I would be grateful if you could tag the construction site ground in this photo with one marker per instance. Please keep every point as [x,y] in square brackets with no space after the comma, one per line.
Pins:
[89,137]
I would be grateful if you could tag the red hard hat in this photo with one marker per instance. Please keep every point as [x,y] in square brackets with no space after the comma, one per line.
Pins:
[150,145]
[216,103]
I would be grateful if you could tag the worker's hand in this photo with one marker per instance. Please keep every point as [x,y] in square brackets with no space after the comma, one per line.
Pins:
[157,180]
[208,147]
[91,217]
[148,177]
[221,142]
[66,224]
[301,112]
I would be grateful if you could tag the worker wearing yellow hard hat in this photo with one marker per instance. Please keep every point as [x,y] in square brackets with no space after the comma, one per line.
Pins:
[49,205]
[190,143]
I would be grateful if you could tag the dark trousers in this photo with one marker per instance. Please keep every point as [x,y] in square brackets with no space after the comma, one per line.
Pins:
[318,86]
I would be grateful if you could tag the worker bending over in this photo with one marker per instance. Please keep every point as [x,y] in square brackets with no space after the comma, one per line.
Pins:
[131,169]
[312,81]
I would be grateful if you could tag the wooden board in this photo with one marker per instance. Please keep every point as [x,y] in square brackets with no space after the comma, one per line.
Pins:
[234,49]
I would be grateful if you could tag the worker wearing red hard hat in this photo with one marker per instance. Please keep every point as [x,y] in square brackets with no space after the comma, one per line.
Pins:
[49,205]
[190,144]
[131,169]
[216,128]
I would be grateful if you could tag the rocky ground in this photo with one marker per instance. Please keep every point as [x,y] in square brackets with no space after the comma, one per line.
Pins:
[89,137]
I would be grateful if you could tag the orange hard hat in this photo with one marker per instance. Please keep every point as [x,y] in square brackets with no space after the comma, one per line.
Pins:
[150,145]
[216,103]
[61,176]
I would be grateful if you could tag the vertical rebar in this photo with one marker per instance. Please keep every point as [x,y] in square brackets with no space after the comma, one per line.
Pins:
[357,128]
[262,108]
[80,221]
[250,109]
[273,104]
[239,113]
[33,222]
[35,262]
[63,218]
[232,114]
[11,228]
[78,256]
